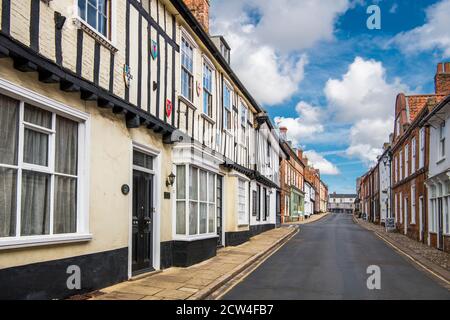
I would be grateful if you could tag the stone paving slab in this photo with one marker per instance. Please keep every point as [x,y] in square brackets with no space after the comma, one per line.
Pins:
[184,283]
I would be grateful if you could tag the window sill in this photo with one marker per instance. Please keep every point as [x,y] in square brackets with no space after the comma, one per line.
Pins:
[208,118]
[80,23]
[194,238]
[33,241]
[189,103]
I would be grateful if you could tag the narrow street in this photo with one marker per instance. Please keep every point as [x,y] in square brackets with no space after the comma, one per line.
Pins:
[328,260]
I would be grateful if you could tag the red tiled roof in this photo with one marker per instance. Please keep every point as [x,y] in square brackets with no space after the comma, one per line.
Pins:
[417,102]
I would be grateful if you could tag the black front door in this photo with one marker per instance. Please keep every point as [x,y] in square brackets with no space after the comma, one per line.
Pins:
[142,222]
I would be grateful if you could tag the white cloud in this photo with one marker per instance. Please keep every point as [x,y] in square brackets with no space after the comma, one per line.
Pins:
[319,162]
[434,34]
[266,38]
[367,138]
[307,125]
[363,92]
[365,99]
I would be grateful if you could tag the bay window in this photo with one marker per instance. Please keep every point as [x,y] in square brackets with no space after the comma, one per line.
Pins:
[97,14]
[187,70]
[39,172]
[195,201]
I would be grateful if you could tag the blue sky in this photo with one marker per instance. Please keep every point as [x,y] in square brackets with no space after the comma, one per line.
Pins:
[318,70]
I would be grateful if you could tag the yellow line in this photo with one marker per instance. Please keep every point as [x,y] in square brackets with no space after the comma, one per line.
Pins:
[413,259]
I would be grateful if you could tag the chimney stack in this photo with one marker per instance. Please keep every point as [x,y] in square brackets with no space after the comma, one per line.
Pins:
[442,78]
[283,133]
[300,154]
[200,10]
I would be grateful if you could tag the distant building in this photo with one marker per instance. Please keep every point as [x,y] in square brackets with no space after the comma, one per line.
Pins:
[341,203]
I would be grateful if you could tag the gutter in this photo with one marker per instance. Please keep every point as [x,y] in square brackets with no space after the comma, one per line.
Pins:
[435,110]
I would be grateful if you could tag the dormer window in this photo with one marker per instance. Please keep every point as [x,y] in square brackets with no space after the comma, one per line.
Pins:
[225,52]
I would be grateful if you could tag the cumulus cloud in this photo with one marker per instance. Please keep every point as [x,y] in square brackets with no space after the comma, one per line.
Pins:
[365,99]
[267,38]
[305,126]
[363,92]
[434,34]
[319,162]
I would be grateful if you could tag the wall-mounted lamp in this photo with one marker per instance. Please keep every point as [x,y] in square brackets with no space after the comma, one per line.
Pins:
[170,180]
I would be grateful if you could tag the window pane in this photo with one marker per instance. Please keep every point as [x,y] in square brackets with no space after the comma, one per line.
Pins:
[203,185]
[101,24]
[66,146]
[212,191]
[8,180]
[193,217]
[37,116]
[181,217]
[193,181]
[82,8]
[203,217]
[181,182]
[92,16]
[35,147]
[65,210]
[9,117]
[142,160]
[211,218]
[35,212]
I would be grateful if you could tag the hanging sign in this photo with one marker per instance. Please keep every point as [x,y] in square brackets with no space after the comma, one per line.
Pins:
[127,76]
[154,49]
[169,108]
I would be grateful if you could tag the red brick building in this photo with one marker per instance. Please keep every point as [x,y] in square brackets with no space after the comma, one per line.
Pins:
[410,159]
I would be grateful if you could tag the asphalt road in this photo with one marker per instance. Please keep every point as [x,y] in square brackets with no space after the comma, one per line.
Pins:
[328,259]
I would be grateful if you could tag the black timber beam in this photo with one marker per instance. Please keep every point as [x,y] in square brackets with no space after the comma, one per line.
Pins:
[48,77]
[26,59]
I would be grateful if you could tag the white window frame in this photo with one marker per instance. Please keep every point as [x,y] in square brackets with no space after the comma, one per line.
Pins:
[407,160]
[441,141]
[413,204]
[413,155]
[401,165]
[230,109]
[111,38]
[210,65]
[421,148]
[40,101]
[245,221]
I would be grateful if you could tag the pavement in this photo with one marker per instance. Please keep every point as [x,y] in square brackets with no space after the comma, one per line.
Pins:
[199,281]
[329,259]
[312,218]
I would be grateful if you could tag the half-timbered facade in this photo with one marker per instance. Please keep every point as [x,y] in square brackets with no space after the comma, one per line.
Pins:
[127,144]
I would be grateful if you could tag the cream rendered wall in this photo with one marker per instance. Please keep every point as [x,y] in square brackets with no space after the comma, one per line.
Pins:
[230,210]
[110,165]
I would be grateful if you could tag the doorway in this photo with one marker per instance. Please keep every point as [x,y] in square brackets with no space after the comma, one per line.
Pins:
[440,221]
[143,209]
